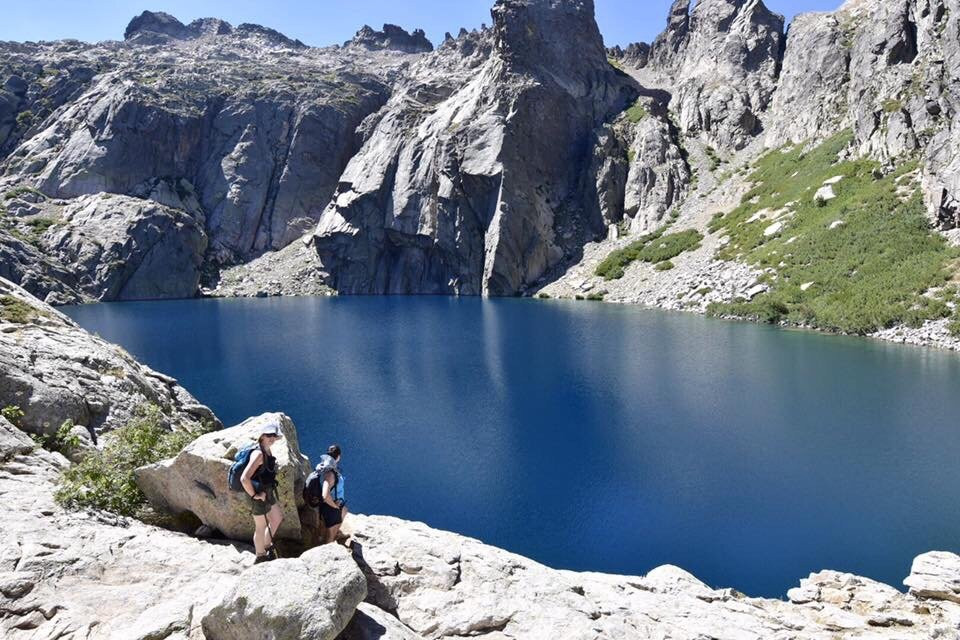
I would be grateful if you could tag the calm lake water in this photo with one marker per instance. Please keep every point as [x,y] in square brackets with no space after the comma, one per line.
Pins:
[592,436]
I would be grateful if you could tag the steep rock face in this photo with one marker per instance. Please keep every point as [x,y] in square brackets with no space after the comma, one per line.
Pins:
[640,167]
[253,127]
[55,371]
[722,59]
[123,248]
[24,264]
[391,37]
[472,180]
[251,159]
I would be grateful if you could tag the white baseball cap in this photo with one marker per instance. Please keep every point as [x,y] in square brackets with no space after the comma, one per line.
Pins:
[271,429]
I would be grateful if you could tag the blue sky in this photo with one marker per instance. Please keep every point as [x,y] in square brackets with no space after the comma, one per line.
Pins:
[322,22]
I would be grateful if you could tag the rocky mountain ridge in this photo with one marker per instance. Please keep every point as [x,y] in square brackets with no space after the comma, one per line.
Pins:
[506,161]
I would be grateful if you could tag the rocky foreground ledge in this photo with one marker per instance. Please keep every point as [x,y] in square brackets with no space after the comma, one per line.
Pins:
[69,574]
[82,575]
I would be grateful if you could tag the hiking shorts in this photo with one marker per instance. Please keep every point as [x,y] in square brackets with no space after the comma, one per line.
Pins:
[262,507]
[331,517]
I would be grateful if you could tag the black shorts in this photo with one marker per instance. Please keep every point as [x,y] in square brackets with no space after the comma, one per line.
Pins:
[330,516]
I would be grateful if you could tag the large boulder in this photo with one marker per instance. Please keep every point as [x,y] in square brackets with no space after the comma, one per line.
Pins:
[935,575]
[312,597]
[195,481]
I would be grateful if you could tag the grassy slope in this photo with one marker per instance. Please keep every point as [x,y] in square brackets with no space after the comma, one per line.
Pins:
[653,247]
[868,273]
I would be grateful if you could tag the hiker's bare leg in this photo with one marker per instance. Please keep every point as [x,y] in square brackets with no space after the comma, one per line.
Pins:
[259,534]
[332,533]
[274,517]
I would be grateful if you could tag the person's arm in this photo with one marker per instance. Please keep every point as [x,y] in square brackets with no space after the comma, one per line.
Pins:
[326,495]
[256,459]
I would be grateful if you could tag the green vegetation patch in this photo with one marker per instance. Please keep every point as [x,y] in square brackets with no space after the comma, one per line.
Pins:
[63,441]
[13,413]
[105,479]
[19,191]
[637,112]
[856,263]
[889,106]
[25,119]
[17,311]
[653,247]
[39,226]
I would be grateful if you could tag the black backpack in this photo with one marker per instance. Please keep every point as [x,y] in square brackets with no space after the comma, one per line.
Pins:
[312,490]
[313,487]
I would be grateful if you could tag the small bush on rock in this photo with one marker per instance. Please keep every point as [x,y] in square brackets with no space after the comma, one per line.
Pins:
[16,311]
[63,441]
[13,413]
[105,479]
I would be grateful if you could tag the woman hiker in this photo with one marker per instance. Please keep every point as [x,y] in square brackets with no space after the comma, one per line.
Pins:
[260,482]
[332,506]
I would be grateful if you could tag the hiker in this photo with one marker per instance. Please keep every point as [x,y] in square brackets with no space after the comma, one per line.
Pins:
[332,506]
[259,480]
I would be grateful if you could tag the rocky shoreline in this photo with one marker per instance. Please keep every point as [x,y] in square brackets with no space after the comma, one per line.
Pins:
[68,573]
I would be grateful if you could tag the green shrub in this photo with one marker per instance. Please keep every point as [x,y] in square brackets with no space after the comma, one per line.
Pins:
[62,441]
[597,296]
[543,296]
[871,273]
[611,268]
[19,191]
[954,327]
[105,479]
[40,225]
[666,265]
[889,106]
[25,119]
[766,310]
[13,413]
[15,310]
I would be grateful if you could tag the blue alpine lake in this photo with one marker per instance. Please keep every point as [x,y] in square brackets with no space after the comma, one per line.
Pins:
[592,436]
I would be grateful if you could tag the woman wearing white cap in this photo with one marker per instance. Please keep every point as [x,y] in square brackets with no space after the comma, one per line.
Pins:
[260,482]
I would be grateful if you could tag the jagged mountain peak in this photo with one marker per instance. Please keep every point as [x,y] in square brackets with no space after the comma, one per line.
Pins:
[391,37]
[559,34]
[156,22]
[155,26]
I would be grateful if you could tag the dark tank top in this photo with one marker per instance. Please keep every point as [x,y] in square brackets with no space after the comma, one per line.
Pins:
[266,475]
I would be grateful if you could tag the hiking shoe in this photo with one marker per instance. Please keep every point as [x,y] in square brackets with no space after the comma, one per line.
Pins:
[272,553]
[264,558]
